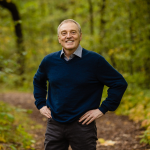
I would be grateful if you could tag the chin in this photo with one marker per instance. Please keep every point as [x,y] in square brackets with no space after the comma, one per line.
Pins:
[70,48]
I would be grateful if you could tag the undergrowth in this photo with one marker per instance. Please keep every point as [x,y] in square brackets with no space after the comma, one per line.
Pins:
[136,104]
[14,127]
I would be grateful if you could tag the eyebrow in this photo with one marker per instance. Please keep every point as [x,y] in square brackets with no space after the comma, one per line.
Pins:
[66,31]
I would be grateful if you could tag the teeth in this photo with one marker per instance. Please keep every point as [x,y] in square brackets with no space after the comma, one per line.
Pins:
[69,41]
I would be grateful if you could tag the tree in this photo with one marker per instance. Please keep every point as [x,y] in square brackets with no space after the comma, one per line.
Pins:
[102,23]
[18,32]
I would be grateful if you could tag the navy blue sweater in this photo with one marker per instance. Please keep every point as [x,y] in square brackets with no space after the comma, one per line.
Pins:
[76,86]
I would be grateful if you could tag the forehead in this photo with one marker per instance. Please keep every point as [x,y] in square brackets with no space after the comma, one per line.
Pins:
[68,26]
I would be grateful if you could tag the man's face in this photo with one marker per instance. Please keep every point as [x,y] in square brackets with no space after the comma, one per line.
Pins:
[69,36]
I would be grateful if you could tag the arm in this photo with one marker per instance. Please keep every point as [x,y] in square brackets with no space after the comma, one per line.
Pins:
[40,86]
[40,90]
[108,76]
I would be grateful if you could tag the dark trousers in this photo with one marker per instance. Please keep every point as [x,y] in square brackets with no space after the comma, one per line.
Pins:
[60,135]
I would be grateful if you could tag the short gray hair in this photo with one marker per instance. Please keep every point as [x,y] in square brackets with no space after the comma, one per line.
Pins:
[69,20]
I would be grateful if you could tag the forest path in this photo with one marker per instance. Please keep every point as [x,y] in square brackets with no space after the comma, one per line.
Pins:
[115,132]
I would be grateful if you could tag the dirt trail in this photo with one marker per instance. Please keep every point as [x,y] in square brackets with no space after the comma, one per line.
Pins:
[114,130]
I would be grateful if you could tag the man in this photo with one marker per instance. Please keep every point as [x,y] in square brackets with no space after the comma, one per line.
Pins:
[76,79]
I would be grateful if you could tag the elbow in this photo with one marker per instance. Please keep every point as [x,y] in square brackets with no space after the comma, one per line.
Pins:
[124,84]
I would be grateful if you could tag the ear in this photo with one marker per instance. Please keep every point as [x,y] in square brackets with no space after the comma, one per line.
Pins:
[58,39]
[80,36]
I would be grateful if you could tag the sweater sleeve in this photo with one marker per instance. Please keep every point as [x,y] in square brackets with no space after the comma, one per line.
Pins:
[40,86]
[110,77]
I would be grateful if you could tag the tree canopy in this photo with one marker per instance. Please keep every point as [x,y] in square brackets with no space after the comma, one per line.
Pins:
[118,30]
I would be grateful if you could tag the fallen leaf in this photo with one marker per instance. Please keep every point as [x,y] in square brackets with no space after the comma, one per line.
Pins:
[107,142]
[101,140]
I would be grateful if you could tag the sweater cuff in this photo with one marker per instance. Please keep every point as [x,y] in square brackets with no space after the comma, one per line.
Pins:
[103,110]
[41,105]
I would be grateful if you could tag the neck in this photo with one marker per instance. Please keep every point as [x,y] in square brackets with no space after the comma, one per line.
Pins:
[68,53]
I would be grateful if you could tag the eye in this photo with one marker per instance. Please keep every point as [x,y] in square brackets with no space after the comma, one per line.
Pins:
[73,32]
[63,33]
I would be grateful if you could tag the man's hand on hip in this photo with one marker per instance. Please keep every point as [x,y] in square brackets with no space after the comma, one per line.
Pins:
[90,116]
[46,112]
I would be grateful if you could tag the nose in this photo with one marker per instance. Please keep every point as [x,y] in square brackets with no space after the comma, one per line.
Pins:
[68,35]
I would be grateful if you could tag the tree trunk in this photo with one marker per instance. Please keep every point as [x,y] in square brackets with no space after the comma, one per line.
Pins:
[102,25]
[91,17]
[131,39]
[147,58]
[18,31]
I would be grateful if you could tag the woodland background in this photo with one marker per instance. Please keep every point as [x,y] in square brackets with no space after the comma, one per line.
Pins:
[118,30]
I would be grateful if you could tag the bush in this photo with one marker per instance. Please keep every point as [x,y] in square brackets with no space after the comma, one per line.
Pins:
[14,126]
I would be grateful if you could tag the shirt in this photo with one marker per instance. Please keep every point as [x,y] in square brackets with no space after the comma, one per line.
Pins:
[78,53]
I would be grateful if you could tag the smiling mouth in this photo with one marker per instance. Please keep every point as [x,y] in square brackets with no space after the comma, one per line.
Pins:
[69,41]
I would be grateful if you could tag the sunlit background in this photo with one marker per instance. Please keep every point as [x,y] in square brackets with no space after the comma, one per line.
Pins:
[119,30]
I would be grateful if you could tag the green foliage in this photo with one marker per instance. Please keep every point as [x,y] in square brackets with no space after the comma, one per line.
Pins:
[146,137]
[136,104]
[27,140]
[12,147]
[14,127]
[123,40]
[121,34]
